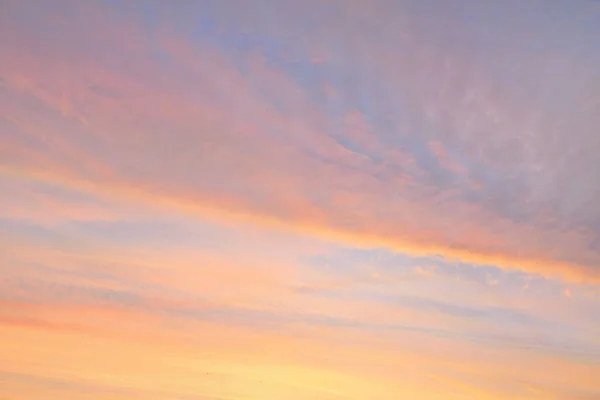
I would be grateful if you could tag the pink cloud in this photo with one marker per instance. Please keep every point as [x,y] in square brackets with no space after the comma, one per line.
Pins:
[209,140]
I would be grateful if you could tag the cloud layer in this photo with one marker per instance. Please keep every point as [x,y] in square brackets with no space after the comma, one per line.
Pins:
[471,167]
[328,200]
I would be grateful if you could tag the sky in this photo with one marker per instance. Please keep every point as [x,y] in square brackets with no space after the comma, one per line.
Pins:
[284,199]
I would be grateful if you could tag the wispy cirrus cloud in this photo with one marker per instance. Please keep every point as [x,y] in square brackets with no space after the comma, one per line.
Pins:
[252,143]
[299,200]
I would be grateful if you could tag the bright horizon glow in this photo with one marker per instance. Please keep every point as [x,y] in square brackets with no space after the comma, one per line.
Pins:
[298,200]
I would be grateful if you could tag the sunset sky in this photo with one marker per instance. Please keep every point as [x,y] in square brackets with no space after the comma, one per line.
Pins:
[299,199]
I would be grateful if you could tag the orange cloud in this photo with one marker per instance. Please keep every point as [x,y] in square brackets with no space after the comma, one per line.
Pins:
[120,348]
[144,123]
[233,209]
